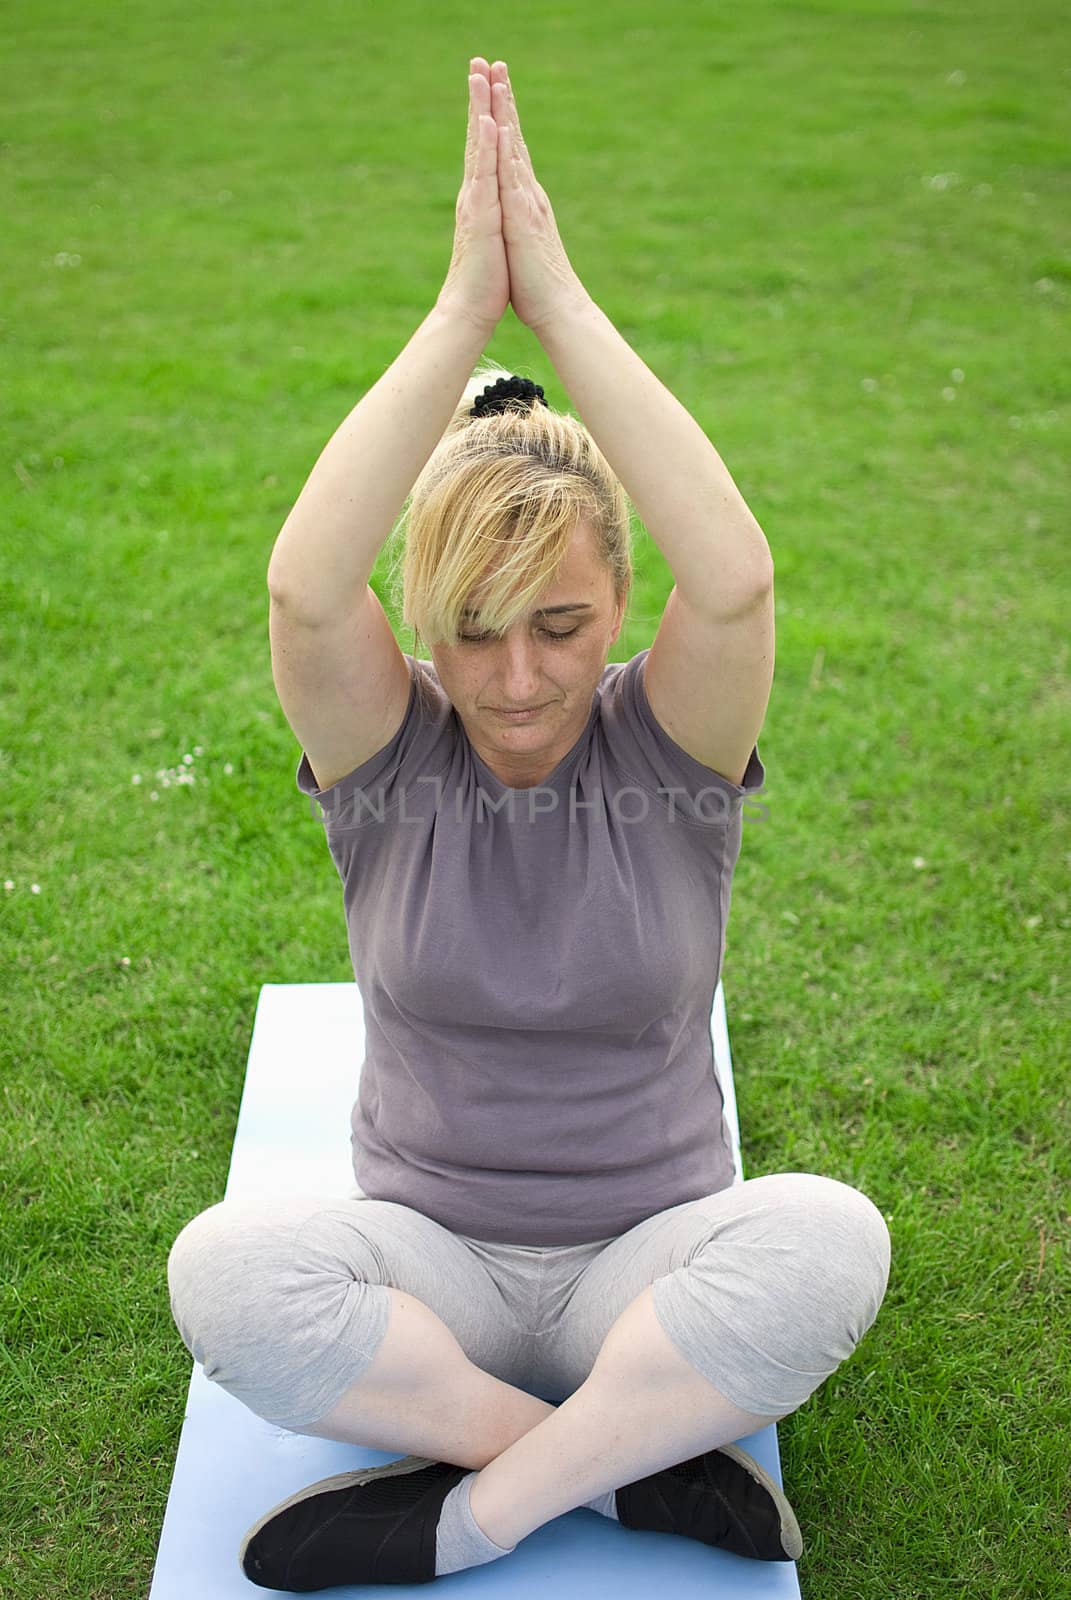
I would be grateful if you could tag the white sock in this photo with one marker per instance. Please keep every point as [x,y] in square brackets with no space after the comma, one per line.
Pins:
[460,1542]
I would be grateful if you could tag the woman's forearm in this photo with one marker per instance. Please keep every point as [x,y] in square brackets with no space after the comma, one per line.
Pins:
[672,473]
[328,545]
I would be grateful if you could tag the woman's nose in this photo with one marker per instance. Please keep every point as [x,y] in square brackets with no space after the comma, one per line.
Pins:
[520,668]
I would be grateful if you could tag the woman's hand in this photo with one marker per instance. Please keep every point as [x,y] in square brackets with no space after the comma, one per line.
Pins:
[477,283]
[541,278]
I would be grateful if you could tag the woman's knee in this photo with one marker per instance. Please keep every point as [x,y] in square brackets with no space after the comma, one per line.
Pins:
[840,1245]
[278,1301]
[222,1267]
[788,1276]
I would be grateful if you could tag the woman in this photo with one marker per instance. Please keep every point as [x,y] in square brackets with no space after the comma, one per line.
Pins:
[551,1291]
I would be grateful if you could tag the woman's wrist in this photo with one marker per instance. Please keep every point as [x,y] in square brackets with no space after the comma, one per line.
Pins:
[572,312]
[454,311]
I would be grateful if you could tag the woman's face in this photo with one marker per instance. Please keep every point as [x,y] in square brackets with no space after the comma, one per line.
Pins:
[547,666]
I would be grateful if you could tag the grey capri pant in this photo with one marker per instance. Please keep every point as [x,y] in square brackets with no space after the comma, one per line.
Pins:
[764,1287]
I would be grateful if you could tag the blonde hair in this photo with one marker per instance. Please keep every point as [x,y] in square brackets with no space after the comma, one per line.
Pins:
[492,514]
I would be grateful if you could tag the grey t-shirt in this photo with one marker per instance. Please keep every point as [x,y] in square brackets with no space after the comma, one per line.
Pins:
[538,969]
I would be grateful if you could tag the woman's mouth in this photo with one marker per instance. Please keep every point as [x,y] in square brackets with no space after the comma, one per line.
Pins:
[524,715]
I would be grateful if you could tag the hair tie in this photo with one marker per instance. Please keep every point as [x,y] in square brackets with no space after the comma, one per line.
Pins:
[497,396]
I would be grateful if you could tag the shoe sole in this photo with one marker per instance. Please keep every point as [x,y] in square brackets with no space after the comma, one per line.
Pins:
[341,1480]
[791,1537]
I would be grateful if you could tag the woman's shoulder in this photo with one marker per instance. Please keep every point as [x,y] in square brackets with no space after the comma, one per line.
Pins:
[421,744]
[648,752]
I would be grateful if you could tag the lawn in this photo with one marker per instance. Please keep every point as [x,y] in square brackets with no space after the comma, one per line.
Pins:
[840,234]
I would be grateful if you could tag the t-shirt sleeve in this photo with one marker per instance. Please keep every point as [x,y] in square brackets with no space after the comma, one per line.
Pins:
[419,749]
[656,762]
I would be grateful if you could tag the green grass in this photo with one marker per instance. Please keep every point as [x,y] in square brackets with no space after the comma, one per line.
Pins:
[839,233]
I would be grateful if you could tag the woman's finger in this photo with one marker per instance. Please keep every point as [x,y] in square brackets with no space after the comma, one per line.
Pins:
[510,174]
[479,105]
[485,170]
[472,133]
[521,155]
[515,174]
[505,106]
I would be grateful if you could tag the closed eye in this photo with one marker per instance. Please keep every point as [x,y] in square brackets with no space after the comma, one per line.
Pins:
[548,633]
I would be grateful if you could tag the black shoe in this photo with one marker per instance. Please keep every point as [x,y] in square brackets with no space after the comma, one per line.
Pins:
[722,1498]
[372,1526]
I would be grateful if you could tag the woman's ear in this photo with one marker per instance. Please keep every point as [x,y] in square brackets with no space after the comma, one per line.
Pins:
[619,617]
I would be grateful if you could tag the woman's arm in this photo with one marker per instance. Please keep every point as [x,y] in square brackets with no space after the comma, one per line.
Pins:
[342,681]
[325,552]
[709,671]
[675,478]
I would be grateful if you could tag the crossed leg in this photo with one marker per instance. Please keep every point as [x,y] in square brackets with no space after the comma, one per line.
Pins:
[767,1287]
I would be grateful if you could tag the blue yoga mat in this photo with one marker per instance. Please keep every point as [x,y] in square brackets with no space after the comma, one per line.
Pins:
[293,1134]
